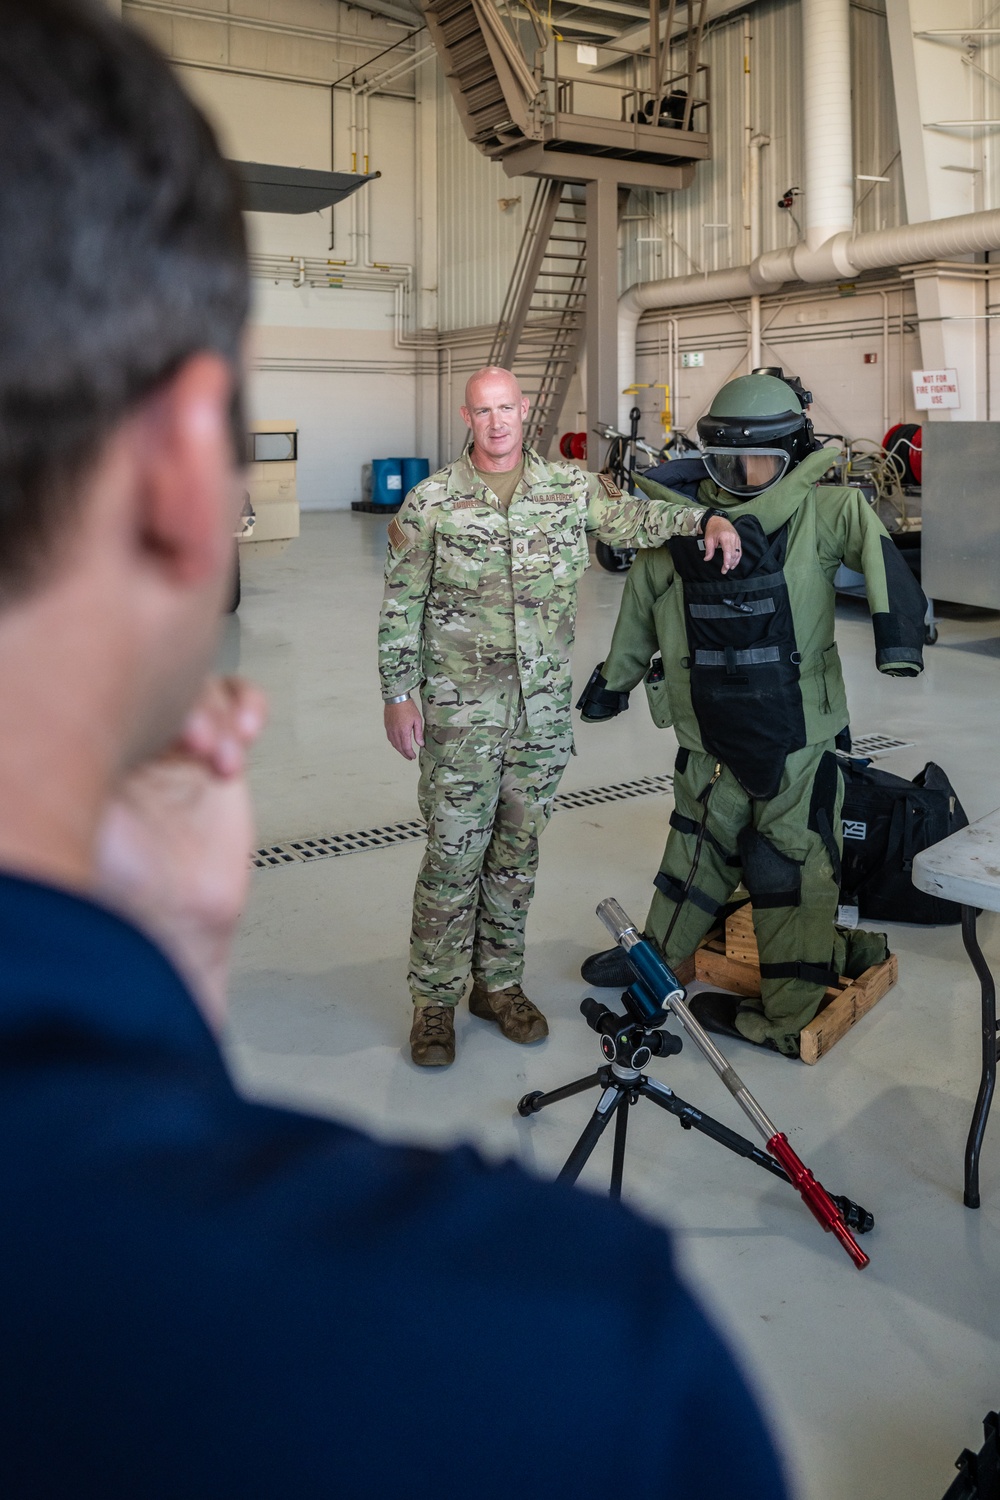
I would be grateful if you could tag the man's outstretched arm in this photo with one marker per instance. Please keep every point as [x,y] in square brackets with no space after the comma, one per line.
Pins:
[656,516]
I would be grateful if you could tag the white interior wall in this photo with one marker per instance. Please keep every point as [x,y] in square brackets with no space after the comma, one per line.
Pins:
[321,356]
[354,399]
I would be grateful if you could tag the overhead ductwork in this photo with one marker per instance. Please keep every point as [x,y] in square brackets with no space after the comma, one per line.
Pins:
[841,258]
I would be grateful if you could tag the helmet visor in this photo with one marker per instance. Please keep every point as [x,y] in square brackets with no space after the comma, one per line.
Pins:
[745,471]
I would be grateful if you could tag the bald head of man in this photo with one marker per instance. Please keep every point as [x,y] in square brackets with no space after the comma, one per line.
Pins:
[495,410]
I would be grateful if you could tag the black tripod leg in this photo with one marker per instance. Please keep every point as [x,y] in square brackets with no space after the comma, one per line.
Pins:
[987,1082]
[693,1119]
[618,1157]
[530,1104]
[853,1215]
[613,1098]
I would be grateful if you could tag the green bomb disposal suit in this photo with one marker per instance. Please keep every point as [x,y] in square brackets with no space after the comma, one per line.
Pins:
[751,679]
[479,614]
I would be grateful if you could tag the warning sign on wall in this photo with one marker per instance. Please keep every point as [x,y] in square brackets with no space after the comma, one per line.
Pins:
[934,388]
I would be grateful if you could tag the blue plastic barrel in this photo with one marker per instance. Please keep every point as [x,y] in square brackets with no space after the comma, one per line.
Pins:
[387,481]
[415,471]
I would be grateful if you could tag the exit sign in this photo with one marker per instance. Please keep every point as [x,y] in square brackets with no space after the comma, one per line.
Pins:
[692,361]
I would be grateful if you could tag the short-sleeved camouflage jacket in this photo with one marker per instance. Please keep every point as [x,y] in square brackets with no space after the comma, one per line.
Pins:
[478,602]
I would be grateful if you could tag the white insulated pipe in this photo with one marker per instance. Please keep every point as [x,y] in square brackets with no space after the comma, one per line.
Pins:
[842,257]
[826,97]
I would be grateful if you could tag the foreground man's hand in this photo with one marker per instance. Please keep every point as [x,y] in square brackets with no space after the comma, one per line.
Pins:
[722,535]
[174,846]
[404,727]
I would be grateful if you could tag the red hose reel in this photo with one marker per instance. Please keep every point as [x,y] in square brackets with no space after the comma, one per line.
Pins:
[573,445]
[903,443]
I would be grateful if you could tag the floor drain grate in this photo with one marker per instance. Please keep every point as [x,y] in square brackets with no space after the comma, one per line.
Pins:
[333,845]
[874,745]
[591,796]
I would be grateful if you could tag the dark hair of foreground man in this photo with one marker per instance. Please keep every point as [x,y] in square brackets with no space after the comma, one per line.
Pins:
[204,1297]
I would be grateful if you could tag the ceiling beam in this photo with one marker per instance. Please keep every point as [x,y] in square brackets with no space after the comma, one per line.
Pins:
[637,38]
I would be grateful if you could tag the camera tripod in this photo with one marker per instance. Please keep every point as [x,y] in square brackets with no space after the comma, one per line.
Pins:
[628,1042]
[628,1045]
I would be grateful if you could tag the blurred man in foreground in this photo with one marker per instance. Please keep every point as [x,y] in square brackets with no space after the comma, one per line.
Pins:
[205,1297]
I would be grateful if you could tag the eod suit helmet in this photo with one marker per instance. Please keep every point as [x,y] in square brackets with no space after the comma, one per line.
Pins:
[755,431]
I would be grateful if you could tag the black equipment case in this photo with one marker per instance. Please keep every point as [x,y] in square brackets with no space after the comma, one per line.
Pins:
[887,820]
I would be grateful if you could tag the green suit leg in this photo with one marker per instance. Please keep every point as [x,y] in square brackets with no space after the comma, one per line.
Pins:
[718,872]
[791,867]
[787,851]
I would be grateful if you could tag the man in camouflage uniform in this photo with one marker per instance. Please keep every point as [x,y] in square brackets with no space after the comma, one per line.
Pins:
[479,611]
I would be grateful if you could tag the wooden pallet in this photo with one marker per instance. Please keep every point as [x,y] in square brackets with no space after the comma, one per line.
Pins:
[728,960]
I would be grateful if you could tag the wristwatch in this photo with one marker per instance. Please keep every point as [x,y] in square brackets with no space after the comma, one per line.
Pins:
[402,698]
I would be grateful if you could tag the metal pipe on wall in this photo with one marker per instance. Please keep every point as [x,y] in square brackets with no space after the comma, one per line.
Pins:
[885,360]
[840,258]
[756,144]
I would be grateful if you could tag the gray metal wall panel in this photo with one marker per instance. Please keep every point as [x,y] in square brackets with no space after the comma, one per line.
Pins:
[477,239]
[671,240]
[960,544]
[880,205]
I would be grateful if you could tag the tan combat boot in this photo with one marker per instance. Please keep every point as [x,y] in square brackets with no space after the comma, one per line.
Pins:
[519,1018]
[432,1036]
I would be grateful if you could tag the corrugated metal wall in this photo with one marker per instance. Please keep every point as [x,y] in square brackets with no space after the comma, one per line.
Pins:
[672,234]
[477,237]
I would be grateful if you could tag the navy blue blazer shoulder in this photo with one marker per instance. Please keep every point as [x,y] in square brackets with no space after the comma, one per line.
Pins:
[204,1297]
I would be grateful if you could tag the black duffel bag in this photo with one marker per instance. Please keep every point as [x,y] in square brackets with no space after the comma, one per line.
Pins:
[888,820]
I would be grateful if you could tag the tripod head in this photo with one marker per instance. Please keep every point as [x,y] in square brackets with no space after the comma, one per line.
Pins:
[628,1040]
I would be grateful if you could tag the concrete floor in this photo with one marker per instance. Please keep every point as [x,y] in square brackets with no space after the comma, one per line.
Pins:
[874,1380]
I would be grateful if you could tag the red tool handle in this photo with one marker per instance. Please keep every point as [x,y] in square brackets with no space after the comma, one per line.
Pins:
[816,1198]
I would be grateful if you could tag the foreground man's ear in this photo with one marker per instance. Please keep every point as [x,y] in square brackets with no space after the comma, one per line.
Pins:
[187,499]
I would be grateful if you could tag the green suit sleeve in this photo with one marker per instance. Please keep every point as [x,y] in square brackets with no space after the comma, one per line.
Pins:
[409,568]
[646,520]
[634,642]
[896,600]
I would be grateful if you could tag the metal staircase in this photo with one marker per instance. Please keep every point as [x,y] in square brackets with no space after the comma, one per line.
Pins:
[541,327]
[528,110]
[491,83]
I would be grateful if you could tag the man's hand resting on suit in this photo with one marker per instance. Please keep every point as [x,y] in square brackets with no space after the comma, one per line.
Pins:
[721,535]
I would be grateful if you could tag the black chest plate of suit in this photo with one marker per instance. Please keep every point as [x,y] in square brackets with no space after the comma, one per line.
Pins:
[743,657]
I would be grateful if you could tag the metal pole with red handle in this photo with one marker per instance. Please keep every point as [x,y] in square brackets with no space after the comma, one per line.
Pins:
[663,986]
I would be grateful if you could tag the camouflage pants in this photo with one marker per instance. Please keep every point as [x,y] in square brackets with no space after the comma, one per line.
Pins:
[787,852]
[485,794]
